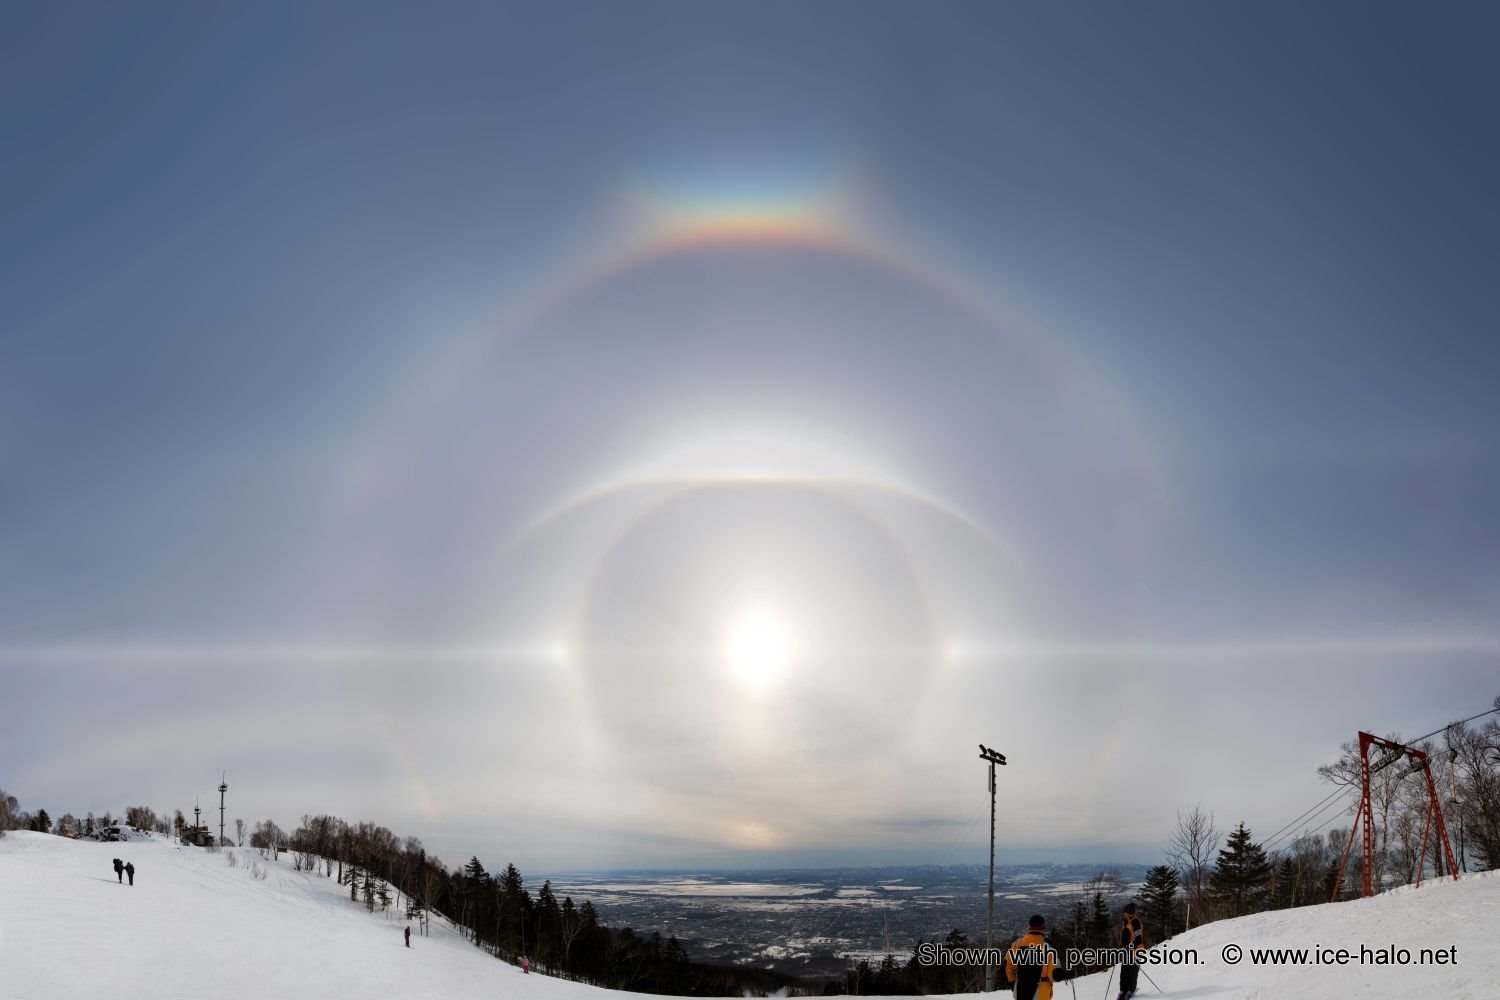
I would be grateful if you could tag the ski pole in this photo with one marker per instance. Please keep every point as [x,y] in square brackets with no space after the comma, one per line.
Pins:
[1151,981]
[1107,980]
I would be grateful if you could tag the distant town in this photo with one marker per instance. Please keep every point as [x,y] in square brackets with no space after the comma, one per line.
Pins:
[812,922]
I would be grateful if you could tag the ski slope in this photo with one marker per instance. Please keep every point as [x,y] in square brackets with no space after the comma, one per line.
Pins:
[1464,915]
[192,926]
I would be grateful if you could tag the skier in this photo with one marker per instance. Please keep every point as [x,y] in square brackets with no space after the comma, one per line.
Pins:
[1031,963]
[120,871]
[1133,937]
[130,871]
[526,965]
[408,936]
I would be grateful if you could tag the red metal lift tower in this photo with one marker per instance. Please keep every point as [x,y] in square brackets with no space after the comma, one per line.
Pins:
[1366,812]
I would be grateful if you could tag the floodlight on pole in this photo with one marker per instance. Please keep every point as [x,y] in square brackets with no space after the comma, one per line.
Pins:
[223,787]
[992,757]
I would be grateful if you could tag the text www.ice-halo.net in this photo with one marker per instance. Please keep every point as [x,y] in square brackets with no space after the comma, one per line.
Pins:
[930,953]
[1390,954]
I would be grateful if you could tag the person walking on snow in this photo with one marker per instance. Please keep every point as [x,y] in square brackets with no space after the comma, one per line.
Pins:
[1133,937]
[120,871]
[526,965]
[408,936]
[1031,963]
[130,871]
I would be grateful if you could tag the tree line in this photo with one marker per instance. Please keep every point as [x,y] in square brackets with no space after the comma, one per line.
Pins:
[495,911]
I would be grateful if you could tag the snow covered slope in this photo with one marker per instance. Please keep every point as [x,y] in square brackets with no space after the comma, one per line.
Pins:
[192,926]
[1463,915]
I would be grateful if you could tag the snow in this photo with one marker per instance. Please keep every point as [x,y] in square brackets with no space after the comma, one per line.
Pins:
[192,926]
[1439,915]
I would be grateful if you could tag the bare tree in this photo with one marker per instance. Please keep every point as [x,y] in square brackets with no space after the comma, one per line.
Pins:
[1475,753]
[1412,836]
[1193,848]
[1097,903]
[1311,855]
[239,832]
[268,838]
[140,817]
[432,881]
[10,811]
[570,925]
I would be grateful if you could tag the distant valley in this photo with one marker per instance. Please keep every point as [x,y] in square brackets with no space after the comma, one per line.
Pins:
[813,922]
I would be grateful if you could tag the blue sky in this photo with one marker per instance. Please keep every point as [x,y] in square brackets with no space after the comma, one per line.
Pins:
[640,434]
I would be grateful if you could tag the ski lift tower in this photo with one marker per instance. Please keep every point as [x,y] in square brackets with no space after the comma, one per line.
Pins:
[197,823]
[223,787]
[1365,814]
[993,757]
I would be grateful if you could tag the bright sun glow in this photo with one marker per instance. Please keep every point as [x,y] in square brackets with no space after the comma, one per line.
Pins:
[758,649]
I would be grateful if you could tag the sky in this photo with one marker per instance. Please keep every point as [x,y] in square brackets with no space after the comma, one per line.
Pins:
[674,435]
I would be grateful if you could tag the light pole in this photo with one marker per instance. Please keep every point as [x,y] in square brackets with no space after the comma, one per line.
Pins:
[993,757]
[223,787]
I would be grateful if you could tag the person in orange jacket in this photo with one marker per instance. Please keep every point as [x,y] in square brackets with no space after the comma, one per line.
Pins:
[1132,936]
[1031,963]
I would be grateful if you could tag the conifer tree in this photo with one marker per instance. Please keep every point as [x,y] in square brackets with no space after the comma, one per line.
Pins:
[1099,921]
[515,905]
[1242,874]
[592,942]
[1159,902]
[1284,888]
[1331,879]
[548,926]
[1078,923]
[478,900]
[675,960]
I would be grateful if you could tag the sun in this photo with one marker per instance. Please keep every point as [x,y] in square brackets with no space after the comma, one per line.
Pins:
[759,648]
